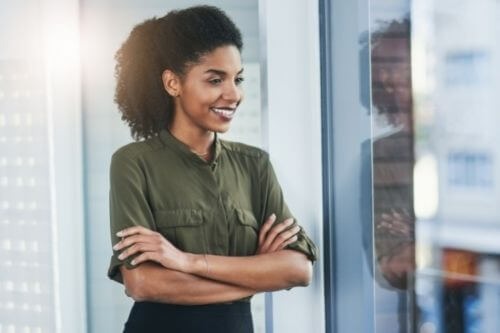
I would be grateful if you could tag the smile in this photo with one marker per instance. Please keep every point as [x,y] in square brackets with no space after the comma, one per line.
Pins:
[226,113]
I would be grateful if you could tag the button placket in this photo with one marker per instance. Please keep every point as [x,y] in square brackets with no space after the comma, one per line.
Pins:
[221,218]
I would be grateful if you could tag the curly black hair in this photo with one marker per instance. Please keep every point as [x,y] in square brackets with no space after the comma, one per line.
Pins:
[380,40]
[174,41]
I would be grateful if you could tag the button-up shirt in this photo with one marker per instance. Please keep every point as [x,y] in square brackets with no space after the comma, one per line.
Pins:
[204,207]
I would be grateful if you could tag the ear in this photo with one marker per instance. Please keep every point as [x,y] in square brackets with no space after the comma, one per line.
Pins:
[171,83]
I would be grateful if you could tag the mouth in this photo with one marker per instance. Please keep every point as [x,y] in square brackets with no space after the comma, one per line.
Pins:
[225,113]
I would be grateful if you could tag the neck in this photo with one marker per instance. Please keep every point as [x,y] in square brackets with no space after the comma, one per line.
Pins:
[199,141]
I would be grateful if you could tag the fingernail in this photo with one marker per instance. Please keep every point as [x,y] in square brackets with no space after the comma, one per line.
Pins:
[120,256]
[119,233]
[116,246]
[273,216]
[133,262]
[289,221]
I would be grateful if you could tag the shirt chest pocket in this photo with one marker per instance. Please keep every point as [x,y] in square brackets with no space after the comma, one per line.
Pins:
[184,228]
[246,231]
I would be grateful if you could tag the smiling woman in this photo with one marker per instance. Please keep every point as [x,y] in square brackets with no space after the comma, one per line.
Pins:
[198,224]
[208,95]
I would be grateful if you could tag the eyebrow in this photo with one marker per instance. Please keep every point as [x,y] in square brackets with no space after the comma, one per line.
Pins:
[220,72]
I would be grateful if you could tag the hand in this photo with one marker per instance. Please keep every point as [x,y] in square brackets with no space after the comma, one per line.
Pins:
[397,224]
[272,239]
[396,268]
[152,246]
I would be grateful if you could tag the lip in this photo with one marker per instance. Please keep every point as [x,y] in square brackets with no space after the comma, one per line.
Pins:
[225,113]
[224,108]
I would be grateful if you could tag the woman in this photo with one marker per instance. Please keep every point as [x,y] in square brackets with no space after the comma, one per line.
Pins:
[193,217]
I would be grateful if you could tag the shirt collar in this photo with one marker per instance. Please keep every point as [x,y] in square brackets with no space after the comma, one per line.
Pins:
[171,141]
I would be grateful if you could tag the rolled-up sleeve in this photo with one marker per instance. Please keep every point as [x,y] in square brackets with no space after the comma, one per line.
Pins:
[128,204]
[273,202]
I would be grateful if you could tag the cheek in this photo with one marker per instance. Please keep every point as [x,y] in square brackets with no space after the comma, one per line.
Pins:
[203,95]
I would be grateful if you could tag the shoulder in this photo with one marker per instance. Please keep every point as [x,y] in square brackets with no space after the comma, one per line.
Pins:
[244,150]
[136,150]
[396,143]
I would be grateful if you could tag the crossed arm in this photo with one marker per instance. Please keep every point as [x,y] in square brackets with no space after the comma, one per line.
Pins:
[166,274]
[153,282]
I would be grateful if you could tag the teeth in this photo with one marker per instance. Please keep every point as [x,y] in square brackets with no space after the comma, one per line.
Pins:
[225,113]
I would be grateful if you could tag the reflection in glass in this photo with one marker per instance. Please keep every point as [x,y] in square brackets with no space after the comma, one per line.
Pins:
[392,176]
[435,69]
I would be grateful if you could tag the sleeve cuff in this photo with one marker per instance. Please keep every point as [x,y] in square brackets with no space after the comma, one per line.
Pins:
[305,245]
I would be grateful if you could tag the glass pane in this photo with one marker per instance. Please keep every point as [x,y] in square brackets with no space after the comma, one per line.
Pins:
[392,154]
[27,252]
[104,132]
[435,68]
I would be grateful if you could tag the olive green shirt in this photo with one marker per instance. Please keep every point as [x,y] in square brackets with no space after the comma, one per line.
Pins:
[201,207]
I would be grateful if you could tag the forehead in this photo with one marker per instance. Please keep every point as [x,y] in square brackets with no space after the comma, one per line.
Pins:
[224,58]
[392,48]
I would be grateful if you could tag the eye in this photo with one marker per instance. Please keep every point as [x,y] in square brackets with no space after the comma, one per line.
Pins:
[239,80]
[215,81]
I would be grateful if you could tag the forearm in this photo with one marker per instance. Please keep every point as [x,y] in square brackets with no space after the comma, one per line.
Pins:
[265,272]
[152,282]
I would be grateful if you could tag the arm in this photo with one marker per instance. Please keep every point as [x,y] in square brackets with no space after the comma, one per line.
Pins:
[128,207]
[286,268]
[152,282]
[272,269]
[265,272]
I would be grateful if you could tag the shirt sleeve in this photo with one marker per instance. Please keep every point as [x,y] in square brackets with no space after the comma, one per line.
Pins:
[273,202]
[128,205]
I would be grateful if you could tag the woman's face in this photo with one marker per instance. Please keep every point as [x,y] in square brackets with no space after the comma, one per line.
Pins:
[210,92]
[391,70]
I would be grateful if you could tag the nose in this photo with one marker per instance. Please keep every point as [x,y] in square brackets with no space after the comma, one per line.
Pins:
[232,93]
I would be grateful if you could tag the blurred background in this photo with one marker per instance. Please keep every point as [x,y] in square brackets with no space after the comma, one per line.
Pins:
[380,118]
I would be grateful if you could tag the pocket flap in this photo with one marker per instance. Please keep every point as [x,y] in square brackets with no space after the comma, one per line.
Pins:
[246,217]
[178,218]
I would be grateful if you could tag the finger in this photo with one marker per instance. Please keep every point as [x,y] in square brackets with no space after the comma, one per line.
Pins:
[400,231]
[138,238]
[146,256]
[289,241]
[397,216]
[271,235]
[139,247]
[385,216]
[400,226]
[265,227]
[283,237]
[394,232]
[276,230]
[383,224]
[134,230]
[400,223]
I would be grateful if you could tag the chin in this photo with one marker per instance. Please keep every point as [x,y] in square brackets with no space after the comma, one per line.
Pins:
[221,129]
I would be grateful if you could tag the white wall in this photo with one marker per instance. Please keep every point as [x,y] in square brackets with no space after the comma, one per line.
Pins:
[291,70]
